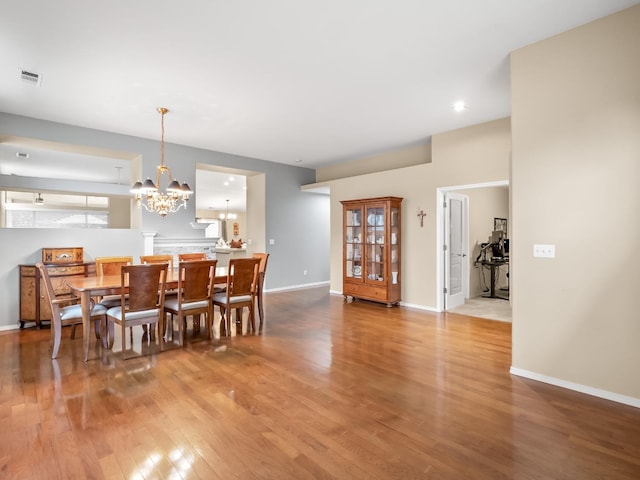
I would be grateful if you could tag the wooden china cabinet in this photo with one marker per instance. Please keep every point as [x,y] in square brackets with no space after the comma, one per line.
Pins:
[371,249]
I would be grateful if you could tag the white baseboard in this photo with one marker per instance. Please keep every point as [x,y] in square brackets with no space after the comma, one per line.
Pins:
[418,307]
[596,392]
[296,287]
[6,328]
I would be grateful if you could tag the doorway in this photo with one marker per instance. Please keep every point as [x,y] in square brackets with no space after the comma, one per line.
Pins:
[478,221]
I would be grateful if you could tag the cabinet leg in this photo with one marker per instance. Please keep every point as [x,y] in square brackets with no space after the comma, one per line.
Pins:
[21,324]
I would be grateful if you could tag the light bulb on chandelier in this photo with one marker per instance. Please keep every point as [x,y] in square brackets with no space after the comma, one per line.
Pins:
[150,196]
[228,216]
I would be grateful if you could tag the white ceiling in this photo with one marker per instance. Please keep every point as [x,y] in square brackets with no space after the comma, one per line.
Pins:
[292,81]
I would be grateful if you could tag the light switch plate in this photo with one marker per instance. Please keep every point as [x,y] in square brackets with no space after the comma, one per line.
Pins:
[544,251]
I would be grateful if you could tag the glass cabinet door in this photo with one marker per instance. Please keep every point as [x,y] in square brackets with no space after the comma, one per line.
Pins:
[375,244]
[354,243]
[394,250]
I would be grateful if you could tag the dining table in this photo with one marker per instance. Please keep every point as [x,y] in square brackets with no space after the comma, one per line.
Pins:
[87,287]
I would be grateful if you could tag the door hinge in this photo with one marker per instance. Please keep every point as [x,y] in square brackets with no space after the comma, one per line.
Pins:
[444,248]
[444,290]
[444,204]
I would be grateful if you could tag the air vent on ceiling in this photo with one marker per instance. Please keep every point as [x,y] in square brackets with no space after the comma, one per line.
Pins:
[31,78]
[22,155]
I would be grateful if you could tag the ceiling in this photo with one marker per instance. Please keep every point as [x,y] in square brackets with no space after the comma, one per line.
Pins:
[297,82]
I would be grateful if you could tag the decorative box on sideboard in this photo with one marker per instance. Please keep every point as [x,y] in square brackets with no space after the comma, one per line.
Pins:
[62,263]
[57,256]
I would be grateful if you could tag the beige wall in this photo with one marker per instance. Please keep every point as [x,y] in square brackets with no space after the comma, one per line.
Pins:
[120,212]
[575,176]
[256,214]
[478,154]
[403,157]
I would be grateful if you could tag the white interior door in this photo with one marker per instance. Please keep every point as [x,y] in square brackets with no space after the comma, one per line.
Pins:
[456,245]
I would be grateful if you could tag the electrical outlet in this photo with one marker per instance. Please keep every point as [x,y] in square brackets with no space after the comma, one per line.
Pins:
[304,272]
[272,241]
[544,251]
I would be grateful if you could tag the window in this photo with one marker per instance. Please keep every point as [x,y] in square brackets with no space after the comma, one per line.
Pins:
[29,210]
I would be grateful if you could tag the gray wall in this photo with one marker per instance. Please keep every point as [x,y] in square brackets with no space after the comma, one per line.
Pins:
[297,221]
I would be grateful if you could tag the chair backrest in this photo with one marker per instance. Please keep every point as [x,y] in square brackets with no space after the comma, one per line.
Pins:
[189,257]
[168,259]
[146,285]
[243,276]
[264,257]
[195,280]
[111,265]
[262,269]
[48,285]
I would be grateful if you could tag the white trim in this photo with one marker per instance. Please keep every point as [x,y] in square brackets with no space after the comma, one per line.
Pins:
[6,328]
[418,307]
[596,392]
[296,287]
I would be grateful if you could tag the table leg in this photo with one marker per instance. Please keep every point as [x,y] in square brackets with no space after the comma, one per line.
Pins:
[85,303]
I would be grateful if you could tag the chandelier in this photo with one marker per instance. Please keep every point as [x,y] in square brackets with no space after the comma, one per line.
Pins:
[150,196]
[228,216]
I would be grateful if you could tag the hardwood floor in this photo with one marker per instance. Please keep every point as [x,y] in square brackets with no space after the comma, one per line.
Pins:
[329,390]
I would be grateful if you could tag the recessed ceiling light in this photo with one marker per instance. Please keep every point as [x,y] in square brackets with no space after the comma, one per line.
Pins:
[226,184]
[232,179]
[298,161]
[459,106]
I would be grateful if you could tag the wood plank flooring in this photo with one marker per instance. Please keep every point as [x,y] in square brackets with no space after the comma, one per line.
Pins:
[328,391]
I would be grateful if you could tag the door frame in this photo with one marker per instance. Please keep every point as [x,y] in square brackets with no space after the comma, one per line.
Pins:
[440,219]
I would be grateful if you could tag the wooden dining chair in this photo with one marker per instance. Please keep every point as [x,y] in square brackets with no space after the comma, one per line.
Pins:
[240,292]
[168,259]
[66,310]
[262,270]
[195,291]
[189,257]
[110,266]
[144,304]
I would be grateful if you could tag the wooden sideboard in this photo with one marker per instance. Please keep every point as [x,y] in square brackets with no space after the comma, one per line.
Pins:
[34,304]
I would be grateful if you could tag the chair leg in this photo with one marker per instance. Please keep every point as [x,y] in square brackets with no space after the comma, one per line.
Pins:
[182,326]
[110,334]
[228,322]
[223,323]
[260,310]
[56,332]
[252,320]
[123,329]
[209,322]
